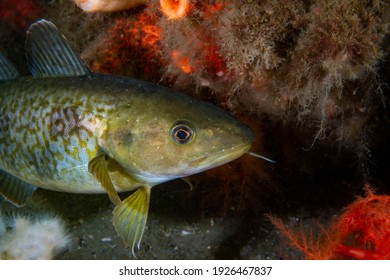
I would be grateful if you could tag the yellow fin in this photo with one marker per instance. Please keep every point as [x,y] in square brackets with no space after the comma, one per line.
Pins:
[130,217]
[98,168]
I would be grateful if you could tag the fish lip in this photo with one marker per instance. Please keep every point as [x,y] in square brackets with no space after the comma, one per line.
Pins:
[220,157]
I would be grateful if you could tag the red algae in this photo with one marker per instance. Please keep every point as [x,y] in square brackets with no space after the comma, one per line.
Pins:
[362,231]
[129,42]
[365,227]
[19,13]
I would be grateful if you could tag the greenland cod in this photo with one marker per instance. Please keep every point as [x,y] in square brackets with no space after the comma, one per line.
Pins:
[67,129]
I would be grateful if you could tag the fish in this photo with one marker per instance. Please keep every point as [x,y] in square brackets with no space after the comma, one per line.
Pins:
[67,129]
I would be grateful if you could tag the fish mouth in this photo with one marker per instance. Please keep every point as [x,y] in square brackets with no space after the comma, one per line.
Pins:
[199,164]
[221,157]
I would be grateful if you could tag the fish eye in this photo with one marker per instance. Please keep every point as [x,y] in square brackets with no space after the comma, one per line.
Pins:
[182,133]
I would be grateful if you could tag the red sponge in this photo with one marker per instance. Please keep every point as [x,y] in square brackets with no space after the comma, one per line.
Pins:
[361,232]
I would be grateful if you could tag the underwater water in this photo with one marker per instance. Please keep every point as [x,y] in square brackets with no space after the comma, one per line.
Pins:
[327,142]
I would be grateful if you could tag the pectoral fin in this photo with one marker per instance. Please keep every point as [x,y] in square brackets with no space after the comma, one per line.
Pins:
[15,190]
[130,217]
[98,168]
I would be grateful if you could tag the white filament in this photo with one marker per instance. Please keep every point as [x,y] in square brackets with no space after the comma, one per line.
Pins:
[261,157]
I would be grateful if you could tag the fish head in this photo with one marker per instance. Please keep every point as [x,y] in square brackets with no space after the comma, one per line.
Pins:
[170,136]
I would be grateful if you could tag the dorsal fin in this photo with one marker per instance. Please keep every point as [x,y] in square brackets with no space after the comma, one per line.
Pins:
[7,70]
[49,53]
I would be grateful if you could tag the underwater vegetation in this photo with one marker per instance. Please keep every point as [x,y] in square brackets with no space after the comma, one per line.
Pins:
[20,13]
[32,238]
[125,46]
[362,231]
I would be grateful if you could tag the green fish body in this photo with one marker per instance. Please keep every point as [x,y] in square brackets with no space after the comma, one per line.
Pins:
[70,130]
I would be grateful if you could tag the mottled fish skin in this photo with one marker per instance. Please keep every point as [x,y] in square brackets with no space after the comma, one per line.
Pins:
[50,130]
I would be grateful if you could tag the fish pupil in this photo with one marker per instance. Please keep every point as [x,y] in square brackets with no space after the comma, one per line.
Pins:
[181,134]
